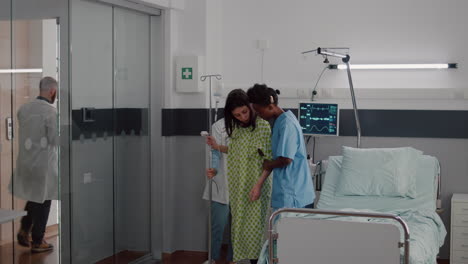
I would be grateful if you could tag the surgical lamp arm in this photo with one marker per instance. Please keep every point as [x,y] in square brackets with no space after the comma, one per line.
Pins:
[325,51]
[353,98]
[345,58]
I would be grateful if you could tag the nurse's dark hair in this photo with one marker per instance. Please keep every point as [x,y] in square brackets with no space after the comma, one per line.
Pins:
[263,95]
[237,98]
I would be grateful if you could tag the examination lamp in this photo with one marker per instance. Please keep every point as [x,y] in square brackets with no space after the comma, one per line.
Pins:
[420,66]
[333,52]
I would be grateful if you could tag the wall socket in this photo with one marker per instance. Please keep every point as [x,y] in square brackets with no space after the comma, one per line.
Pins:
[87,177]
[263,44]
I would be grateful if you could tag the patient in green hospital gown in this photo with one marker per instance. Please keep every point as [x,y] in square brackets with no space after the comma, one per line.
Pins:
[244,169]
[249,188]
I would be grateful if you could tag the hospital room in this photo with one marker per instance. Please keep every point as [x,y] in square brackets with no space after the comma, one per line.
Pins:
[233,132]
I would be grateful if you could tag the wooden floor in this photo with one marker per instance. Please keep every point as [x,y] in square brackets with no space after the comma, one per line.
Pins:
[23,255]
[187,257]
[123,257]
[16,254]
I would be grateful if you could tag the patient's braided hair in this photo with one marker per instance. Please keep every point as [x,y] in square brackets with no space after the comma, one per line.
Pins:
[263,95]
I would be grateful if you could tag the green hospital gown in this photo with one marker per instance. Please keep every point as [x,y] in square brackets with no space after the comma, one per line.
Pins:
[244,170]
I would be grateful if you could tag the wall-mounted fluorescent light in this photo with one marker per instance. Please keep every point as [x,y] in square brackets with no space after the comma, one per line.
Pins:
[21,71]
[394,66]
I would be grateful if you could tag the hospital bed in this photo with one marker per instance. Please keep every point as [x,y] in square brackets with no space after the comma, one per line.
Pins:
[360,229]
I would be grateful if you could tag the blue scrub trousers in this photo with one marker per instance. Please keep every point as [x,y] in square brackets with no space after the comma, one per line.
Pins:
[220,214]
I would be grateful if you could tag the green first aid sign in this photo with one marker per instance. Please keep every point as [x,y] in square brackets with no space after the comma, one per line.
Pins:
[187,73]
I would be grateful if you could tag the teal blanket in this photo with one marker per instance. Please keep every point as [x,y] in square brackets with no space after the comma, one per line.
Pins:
[427,232]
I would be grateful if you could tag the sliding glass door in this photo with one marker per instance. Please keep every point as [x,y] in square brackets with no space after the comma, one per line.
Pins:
[29,162]
[111,183]
[103,125]
[6,137]
[132,140]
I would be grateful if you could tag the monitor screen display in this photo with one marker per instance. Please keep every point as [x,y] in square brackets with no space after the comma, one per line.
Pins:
[319,119]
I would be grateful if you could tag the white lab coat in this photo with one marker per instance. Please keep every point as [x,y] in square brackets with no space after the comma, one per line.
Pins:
[220,192]
[36,175]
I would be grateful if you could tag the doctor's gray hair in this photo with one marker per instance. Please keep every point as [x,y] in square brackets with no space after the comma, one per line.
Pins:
[47,83]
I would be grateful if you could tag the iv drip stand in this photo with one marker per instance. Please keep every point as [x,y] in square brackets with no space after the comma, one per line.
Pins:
[210,191]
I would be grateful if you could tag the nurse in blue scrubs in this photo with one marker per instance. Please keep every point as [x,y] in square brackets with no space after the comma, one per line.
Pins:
[292,182]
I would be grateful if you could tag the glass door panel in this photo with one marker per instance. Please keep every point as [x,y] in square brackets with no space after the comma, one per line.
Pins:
[6,141]
[92,194]
[110,148]
[35,141]
[132,137]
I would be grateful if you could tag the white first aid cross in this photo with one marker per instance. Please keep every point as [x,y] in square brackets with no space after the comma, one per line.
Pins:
[186,73]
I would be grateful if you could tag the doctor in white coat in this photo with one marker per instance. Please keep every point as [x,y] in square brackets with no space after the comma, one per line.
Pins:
[36,176]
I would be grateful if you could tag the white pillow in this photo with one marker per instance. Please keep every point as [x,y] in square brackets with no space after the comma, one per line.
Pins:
[379,172]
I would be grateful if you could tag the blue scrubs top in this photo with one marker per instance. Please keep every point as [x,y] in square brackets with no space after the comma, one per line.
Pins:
[292,185]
